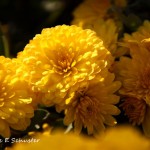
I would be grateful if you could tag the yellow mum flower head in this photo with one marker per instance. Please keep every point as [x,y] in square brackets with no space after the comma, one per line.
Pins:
[92,105]
[90,10]
[134,75]
[61,57]
[123,138]
[15,108]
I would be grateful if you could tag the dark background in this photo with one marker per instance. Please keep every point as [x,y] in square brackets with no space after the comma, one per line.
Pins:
[22,19]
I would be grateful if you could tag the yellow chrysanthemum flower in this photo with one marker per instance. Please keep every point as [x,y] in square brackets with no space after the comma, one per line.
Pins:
[92,105]
[115,138]
[15,108]
[134,74]
[61,57]
[142,33]
[90,10]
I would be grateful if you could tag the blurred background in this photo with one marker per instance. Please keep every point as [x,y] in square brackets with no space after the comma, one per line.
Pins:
[20,20]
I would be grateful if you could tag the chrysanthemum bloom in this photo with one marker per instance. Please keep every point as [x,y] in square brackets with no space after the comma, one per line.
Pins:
[62,57]
[15,108]
[142,33]
[123,138]
[134,74]
[92,105]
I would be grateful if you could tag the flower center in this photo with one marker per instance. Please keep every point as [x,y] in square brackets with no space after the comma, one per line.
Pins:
[64,62]
[86,107]
[134,109]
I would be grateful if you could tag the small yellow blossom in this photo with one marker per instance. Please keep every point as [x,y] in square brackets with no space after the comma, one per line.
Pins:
[90,10]
[134,74]
[61,57]
[15,101]
[143,32]
[92,105]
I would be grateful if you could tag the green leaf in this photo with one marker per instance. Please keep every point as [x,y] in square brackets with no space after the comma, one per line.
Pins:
[4,46]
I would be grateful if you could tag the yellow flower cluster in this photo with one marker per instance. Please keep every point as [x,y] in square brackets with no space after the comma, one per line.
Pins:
[66,67]
[69,67]
[116,138]
[77,70]
[72,68]
[15,99]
